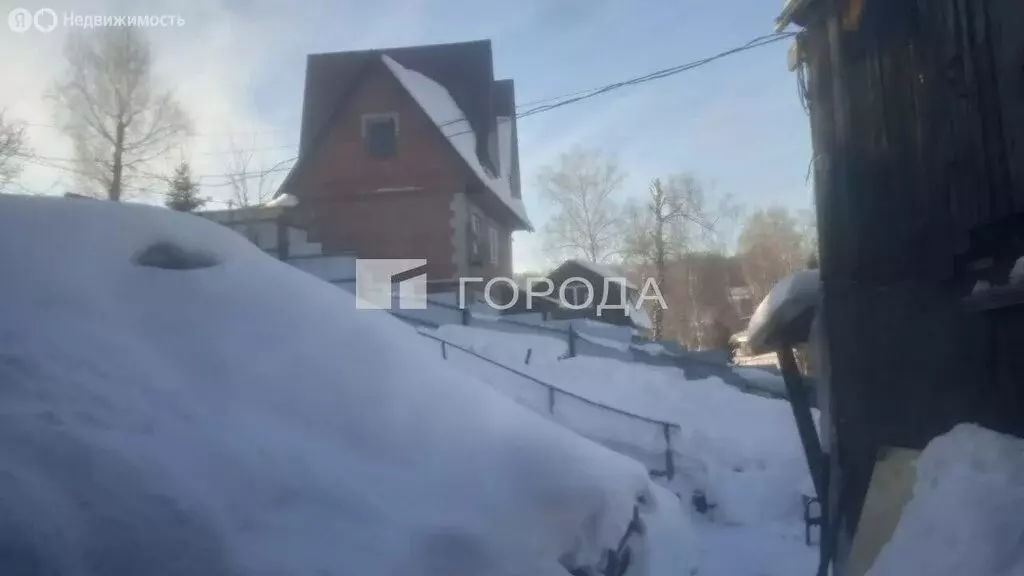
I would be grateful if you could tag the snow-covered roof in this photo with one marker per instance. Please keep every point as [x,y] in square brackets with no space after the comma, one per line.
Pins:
[505,148]
[439,105]
[284,200]
[317,455]
[789,299]
[603,271]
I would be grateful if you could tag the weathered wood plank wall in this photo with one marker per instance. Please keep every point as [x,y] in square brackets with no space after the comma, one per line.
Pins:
[917,115]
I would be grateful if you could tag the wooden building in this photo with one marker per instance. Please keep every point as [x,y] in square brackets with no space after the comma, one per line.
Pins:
[917,116]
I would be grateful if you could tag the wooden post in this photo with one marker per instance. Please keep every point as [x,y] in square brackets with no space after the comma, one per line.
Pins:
[798,401]
[444,350]
[572,341]
[551,400]
[670,464]
[529,351]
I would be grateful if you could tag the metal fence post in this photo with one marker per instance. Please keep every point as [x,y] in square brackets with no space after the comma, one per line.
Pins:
[465,315]
[551,400]
[529,351]
[670,465]
[444,350]
[572,341]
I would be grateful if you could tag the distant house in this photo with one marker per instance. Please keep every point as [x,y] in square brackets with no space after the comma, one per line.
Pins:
[269,227]
[579,279]
[411,153]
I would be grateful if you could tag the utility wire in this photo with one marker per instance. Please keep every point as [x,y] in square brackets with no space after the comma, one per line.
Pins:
[532,108]
[656,75]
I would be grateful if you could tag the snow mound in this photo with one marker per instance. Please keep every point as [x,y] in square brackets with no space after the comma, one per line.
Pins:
[245,418]
[439,105]
[1017,273]
[966,517]
[792,296]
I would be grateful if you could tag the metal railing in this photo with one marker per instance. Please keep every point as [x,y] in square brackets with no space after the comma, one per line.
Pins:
[553,392]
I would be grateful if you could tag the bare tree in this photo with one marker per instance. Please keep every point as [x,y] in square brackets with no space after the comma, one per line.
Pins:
[13,150]
[771,247]
[117,121]
[251,186]
[582,189]
[665,227]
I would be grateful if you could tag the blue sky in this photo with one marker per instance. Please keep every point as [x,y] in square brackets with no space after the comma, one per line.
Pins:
[737,124]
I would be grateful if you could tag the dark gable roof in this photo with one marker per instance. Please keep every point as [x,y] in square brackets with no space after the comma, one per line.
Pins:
[465,69]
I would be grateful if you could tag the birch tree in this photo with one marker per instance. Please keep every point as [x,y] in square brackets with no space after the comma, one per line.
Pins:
[107,103]
[664,228]
[582,188]
[771,246]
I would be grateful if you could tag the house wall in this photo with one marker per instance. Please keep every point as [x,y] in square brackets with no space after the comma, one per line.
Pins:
[399,207]
[410,206]
[487,269]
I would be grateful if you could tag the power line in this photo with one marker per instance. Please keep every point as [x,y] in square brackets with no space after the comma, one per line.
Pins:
[572,98]
[190,136]
[48,162]
[537,106]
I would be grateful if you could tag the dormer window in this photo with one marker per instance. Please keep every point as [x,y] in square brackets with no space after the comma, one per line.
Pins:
[380,135]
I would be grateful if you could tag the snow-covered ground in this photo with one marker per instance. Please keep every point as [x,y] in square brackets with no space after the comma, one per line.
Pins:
[225,413]
[743,450]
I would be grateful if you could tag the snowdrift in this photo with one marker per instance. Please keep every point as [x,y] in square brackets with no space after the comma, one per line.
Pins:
[215,411]
[966,517]
[742,450]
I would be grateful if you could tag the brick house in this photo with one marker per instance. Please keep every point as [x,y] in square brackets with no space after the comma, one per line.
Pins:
[410,153]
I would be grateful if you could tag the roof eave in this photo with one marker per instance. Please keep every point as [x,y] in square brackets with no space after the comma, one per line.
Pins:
[792,13]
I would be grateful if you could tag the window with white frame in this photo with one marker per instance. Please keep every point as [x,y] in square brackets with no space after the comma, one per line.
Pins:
[493,244]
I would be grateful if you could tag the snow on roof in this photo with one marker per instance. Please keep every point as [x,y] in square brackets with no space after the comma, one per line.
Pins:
[285,200]
[640,318]
[790,298]
[604,272]
[966,515]
[505,148]
[439,105]
[316,455]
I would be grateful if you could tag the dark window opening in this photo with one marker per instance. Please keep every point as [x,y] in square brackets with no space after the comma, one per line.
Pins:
[380,133]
